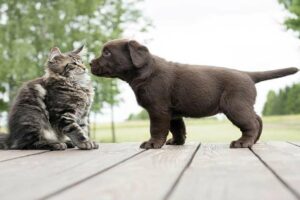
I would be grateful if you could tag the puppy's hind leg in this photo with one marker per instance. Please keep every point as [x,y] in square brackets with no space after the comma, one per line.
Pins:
[260,125]
[243,116]
[177,128]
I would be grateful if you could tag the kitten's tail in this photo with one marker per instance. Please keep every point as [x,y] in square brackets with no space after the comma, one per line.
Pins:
[3,143]
[266,75]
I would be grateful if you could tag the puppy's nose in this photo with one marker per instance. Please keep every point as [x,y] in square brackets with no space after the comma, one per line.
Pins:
[90,63]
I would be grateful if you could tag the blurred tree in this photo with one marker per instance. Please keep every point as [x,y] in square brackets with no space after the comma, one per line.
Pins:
[139,116]
[293,99]
[287,101]
[293,22]
[29,28]
[269,105]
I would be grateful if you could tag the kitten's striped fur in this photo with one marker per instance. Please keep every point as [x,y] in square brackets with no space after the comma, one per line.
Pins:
[51,112]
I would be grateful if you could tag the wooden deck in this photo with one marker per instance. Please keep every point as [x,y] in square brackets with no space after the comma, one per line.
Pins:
[123,171]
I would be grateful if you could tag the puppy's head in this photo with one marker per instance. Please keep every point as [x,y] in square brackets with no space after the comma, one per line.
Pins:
[118,57]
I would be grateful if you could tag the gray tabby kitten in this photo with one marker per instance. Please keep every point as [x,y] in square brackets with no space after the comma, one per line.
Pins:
[51,112]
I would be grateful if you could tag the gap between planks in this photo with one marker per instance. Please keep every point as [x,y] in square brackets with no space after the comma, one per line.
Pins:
[11,154]
[182,173]
[277,176]
[90,177]
[155,170]
[275,173]
[64,168]
[217,172]
[186,167]
[297,144]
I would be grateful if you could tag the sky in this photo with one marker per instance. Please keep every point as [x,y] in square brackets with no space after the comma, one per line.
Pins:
[239,34]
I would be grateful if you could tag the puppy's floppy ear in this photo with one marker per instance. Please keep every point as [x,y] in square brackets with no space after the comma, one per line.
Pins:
[53,53]
[139,54]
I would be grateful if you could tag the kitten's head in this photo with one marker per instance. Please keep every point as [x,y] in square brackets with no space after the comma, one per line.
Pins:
[65,64]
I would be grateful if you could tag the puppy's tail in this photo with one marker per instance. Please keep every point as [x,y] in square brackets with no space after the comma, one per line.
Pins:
[266,75]
[3,141]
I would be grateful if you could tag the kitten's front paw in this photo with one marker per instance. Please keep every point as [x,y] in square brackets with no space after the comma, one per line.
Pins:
[70,144]
[58,146]
[152,144]
[87,145]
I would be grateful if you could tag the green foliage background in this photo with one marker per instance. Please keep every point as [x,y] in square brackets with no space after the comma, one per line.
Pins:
[29,28]
[287,100]
[143,115]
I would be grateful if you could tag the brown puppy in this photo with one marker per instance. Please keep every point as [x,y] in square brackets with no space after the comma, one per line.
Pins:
[170,91]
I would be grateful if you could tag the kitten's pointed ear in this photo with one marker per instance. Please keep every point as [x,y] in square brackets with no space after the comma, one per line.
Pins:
[79,50]
[139,54]
[53,53]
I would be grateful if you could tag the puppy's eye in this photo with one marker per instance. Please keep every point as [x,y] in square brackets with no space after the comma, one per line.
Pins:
[106,53]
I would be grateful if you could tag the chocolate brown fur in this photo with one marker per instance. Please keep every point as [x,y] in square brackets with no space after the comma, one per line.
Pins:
[170,91]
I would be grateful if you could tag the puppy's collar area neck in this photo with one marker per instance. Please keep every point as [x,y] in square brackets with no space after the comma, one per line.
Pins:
[141,76]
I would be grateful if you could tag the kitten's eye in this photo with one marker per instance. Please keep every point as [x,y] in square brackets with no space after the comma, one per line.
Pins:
[106,53]
[69,65]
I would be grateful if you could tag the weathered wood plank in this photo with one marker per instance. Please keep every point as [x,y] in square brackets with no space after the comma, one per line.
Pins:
[38,176]
[295,143]
[147,176]
[284,159]
[6,155]
[218,172]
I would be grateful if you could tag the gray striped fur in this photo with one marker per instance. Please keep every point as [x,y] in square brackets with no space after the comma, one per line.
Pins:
[51,110]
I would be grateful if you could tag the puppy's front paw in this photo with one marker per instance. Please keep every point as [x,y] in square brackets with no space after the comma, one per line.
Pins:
[87,145]
[173,141]
[152,144]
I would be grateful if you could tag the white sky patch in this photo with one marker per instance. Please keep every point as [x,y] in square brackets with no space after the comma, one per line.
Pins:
[240,34]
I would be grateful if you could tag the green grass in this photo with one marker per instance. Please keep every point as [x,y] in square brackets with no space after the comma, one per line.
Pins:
[205,130]
[283,128]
